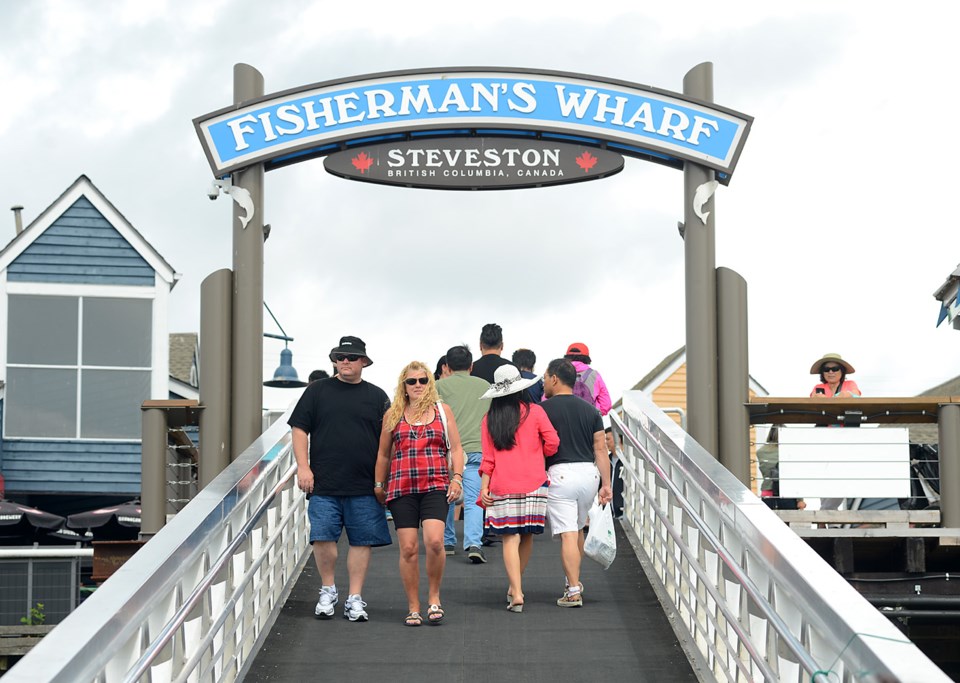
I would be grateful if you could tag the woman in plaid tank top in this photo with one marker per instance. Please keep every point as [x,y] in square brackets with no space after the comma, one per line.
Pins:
[419,473]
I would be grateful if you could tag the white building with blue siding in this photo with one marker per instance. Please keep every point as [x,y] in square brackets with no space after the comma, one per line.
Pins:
[83,309]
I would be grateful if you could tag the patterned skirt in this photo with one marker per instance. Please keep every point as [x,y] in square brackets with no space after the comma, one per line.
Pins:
[518,513]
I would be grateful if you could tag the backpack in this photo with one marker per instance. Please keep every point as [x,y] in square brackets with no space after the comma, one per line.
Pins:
[583,387]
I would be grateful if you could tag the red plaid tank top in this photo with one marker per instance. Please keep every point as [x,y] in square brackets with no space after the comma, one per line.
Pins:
[419,460]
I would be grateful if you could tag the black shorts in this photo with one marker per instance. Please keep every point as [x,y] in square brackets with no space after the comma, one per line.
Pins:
[410,510]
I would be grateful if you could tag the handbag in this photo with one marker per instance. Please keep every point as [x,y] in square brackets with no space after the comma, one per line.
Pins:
[446,441]
[601,542]
[446,433]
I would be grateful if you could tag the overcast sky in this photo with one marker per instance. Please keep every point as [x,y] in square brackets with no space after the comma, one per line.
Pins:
[841,214]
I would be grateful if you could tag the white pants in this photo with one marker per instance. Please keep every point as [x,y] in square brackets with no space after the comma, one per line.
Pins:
[573,486]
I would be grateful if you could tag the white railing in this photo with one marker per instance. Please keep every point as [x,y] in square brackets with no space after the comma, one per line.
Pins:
[197,601]
[749,600]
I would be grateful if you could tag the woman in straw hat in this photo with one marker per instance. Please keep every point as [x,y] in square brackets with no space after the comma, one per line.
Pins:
[420,448]
[833,371]
[515,436]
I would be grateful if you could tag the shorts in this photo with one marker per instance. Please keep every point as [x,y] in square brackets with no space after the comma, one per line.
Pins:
[410,510]
[361,515]
[573,486]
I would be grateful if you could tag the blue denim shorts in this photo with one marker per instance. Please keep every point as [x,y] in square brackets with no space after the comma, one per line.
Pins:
[363,517]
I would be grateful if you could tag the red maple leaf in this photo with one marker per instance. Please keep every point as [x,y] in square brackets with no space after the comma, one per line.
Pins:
[586,161]
[363,161]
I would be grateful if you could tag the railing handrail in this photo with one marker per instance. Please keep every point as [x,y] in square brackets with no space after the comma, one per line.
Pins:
[143,664]
[871,409]
[65,654]
[795,646]
[831,604]
[47,553]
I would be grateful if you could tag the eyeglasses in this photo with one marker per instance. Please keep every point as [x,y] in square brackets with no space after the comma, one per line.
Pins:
[352,357]
[835,368]
[410,381]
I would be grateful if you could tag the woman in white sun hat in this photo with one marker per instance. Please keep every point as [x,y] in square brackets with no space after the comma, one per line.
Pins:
[516,435]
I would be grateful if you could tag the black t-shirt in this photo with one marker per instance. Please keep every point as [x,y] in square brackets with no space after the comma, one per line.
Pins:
[343,421]
[485,366]
[576,421]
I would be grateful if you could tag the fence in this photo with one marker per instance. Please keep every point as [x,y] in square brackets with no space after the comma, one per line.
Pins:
[749,599]
[39,576]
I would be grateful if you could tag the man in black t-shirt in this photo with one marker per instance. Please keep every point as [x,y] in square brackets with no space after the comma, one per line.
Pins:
[576,469]
[340,419]
[491,346]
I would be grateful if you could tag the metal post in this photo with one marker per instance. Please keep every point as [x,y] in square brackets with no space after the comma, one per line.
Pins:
[247,390]
[216,325]
[948,420]
[701,295]
[153,467]
[732,374]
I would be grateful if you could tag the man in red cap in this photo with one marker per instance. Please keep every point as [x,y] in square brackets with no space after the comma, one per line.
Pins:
[579,354]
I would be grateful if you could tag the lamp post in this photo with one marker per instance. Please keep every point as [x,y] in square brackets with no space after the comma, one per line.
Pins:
[285,376]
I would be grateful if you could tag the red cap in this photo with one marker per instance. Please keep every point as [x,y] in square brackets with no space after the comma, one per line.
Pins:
[578,349]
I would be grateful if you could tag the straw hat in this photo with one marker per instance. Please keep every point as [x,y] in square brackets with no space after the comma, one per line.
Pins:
[835,357]
[506,381]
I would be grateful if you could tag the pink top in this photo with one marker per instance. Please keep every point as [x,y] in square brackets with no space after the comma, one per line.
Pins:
[848,385]
[601,396]
[520,469]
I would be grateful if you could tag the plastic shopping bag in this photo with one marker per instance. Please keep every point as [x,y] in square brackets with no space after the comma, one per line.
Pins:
[601,541]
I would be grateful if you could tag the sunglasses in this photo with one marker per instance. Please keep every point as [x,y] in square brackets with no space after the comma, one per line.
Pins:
[352,357]
[410,381]
[835,368]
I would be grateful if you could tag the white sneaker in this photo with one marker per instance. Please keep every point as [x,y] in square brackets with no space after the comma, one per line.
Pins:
[353,608]
[326,603]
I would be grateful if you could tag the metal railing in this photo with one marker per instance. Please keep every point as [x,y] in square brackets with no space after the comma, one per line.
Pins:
[749,600]
[197,601]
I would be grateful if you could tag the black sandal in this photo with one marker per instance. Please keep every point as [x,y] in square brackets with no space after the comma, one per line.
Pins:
[435,614]
[413,619]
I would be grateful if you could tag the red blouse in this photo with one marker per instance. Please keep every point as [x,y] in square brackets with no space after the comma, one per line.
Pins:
[520,469]
[419,461]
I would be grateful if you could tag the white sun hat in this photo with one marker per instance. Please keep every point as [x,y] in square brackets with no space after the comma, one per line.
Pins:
[506,381]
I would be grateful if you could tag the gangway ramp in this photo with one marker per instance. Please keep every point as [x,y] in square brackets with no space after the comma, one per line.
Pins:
[620,634]
[746,597]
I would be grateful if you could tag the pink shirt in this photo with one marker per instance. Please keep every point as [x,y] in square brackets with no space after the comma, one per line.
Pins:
[848,385]
[520,469]
[601,396]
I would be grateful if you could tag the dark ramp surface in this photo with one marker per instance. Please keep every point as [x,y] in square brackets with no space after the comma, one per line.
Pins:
[620,634]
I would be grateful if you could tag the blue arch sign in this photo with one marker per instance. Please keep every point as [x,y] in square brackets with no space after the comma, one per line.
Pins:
[628,118]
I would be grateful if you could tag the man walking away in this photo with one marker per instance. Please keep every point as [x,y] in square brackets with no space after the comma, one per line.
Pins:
[491,346]
[614,444]
[339,419]
[462,392]
[525,359]
[592,383]
[575,470]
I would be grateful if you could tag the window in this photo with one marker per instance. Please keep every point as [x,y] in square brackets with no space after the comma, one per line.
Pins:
[77,367]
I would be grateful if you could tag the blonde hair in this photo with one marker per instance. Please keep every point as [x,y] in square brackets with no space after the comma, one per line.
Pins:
[401,400]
